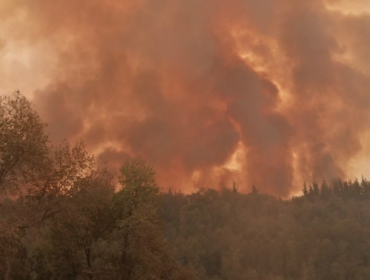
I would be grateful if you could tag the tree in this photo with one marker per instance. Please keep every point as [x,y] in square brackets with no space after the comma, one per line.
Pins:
[70,208]
[305,190]
[325,190]
[316,189]
[23,157]
[254,190]
[85,217]
[64,219]
[60,178]
[23,142]
[144,253]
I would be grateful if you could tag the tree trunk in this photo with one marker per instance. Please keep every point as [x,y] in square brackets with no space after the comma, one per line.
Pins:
[88,261]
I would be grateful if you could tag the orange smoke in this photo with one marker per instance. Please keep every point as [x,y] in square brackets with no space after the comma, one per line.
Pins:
[268,92]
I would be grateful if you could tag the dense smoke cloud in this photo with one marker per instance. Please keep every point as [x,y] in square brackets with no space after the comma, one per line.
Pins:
[267,92]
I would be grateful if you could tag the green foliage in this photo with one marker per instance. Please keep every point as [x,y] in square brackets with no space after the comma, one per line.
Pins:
[228,235]
[60,216]
[23,143]
[345,190]
[144,253]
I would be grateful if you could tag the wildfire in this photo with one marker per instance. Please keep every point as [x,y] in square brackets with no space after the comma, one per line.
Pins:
[209,92]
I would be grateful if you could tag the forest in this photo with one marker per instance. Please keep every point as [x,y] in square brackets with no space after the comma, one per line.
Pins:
[64,217]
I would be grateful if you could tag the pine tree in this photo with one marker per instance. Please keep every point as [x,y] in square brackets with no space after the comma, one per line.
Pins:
[305,190]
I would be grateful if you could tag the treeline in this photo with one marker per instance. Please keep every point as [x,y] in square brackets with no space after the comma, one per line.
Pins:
[61,216]
[343,189]
[233,236]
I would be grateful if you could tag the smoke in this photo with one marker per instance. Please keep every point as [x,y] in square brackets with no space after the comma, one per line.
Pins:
[267,92]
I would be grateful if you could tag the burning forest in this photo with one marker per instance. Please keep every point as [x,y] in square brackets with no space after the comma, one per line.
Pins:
[269,92]
[168,139]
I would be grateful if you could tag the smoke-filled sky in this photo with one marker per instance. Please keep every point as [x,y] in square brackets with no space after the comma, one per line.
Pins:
[263,92]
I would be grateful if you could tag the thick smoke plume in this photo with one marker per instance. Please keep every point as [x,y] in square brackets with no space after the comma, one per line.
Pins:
[263,92]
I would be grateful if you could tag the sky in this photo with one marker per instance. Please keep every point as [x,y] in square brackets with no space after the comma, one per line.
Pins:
[269,93]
